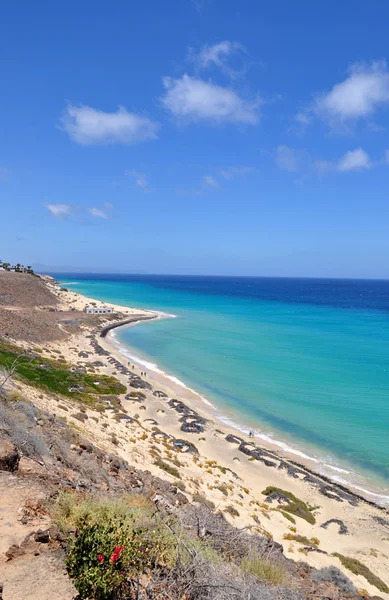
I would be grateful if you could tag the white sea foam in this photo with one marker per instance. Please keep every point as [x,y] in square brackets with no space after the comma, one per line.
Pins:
[153,367]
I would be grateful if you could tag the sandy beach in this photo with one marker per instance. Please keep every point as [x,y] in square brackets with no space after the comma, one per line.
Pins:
[160,420]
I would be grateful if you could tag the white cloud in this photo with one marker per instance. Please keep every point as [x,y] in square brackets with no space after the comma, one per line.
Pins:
[365,90]
[354,160]
[230,172]
[386,159]
[219,56]
[98,212]
[86,125]
[287,159]
[140,179]
[191,100]
[59,210]
[210,182]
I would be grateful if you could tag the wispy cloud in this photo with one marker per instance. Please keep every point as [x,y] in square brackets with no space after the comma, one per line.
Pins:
[5,174]
[59,211]
[359,96]
[230,172]
[219,56]
[210,182]
[199,4]
[140,179]
[353,160]
[98,212]
[192,100]
[78,213]
[287,159]
[86,125]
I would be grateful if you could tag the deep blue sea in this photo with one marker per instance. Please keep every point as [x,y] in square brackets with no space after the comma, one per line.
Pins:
[304,362]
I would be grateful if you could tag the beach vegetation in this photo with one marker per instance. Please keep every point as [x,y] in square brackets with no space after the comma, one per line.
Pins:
[265,569]
[114,439]
[295,507]
[289,518]
[222,489]
[55,377]
[336,577]
[300,539]
[358,568]
[180,485]
[167,467]
[231,510]
[200,499]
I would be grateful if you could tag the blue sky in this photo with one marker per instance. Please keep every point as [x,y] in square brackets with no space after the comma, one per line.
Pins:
[196,136]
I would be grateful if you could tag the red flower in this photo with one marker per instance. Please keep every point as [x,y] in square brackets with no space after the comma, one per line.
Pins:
[116,553]
[100,558]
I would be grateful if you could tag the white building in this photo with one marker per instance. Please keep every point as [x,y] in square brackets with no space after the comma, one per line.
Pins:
[94,310]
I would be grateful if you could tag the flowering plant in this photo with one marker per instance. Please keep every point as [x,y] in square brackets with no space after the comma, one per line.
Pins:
[103,558]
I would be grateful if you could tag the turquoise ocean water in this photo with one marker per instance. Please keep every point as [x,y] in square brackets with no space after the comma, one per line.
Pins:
[303,362]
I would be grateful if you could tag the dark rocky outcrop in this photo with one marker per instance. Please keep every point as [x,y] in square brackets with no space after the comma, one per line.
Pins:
[9,456]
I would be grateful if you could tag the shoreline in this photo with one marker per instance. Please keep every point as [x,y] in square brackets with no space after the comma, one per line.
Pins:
[276,446]
[266,443]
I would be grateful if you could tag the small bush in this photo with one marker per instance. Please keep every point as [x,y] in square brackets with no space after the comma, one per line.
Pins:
[296,507]
[231,510]
[288,516]
[167,468]
[335,576]
[301,539]
[265,569]
[180,485]
[222,489]
[203,501]
[358,568]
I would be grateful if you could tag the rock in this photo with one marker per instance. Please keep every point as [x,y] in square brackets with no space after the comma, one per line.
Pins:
[9,456]
[13,552]
[55,534]
[28,465]
[115,465]
[42,537]
[80,416]
[87,447]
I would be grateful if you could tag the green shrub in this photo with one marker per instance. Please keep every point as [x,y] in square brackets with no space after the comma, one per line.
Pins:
[301,539]
[102,557]
[56,377]
[358,568]
[288,516]
[296,507]
[265,569]
[167,468]
[180,485]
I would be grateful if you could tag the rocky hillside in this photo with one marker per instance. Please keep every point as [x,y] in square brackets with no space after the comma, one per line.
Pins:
[59,491]
[30,312]
[24,291]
